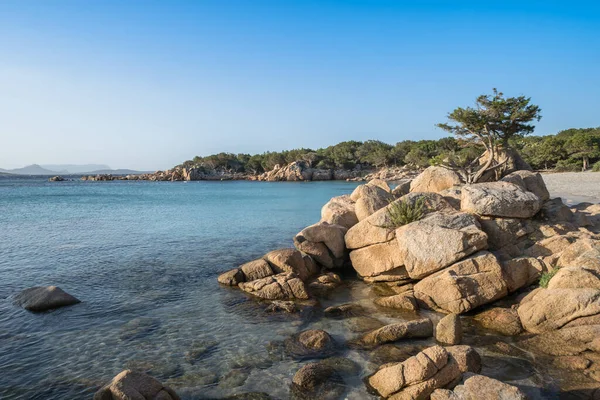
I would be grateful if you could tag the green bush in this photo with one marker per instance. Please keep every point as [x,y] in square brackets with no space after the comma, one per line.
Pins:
[403,212]
[545,278]
[596,167]
[569,165]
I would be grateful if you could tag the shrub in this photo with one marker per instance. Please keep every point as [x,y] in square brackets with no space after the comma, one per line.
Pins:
[596,167]
[545,278]
[569,165]
[404,212]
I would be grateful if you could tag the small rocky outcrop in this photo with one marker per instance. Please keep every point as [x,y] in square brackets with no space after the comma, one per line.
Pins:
[431,369]
[44,298]
[56,178]
[435,179]
[404,301]
[135,385]
[499,199]
[284,286]
[449,330]
[475,386]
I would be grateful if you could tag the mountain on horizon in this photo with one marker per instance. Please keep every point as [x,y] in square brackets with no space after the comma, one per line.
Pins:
[69,169]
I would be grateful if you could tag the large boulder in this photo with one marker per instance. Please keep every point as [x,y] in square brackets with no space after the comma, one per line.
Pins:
[522,271]
[378,227]
[468,284]
[545,310]
[531,181]
[377,259]
[499,199]
[130,385]
[418,376]
[434,179]
[370,198]
[340,211]
[44,298]
[437,241]
[480,387]
[283,286]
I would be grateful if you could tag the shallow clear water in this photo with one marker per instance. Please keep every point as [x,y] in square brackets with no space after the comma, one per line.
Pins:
[144,258]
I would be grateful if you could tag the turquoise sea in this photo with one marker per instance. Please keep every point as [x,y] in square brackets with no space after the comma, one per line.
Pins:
[144,258]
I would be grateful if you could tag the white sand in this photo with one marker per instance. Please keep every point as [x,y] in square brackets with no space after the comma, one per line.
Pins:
[574,187]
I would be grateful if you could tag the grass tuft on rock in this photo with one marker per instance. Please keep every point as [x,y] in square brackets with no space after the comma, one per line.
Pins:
[545,278]
[404,212]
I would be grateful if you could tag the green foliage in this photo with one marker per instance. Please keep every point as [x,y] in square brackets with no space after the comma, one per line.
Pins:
[596,167]
[404,212]
[568,165]
[545,278]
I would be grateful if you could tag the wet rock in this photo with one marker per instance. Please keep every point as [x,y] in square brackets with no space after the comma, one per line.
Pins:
[161,369]
[502,320]
[499,199]
[44,298]
[234,378]
[313,343]
[480,387]
[343,366]
[421,328]
[468,284]
[418,376]
[434,179]
[507,368]
[566,341]
[135,385]
[232,277]
[317,381]
[139,327]
[250,396]
[390,353]
[199,349]
[284,286]
[322,285]
[340,211]
[285,306]
[437,241]
[345,310]
[403,301]
[449,330]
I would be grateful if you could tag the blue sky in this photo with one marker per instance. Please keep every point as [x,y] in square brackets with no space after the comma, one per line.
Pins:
[149,84]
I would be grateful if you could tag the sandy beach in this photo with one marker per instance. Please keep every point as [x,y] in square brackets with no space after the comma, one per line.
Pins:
[574,187]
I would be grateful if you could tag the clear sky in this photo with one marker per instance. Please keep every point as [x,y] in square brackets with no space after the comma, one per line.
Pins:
[149,84]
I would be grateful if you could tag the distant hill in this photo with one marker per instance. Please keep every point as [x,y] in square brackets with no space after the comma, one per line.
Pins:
[74,168]
[32,169]
[70,169]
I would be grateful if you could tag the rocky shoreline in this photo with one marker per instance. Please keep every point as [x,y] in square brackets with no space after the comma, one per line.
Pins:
[295,172]
[491,273]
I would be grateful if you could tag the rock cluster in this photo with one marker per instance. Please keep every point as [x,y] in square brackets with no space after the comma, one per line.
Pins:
[135,385]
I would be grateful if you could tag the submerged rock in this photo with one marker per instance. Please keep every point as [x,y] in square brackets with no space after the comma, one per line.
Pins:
[234,378]
[317,380]
[139,327]
[313,343]
[134,385]
[502,320]
[44,298]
